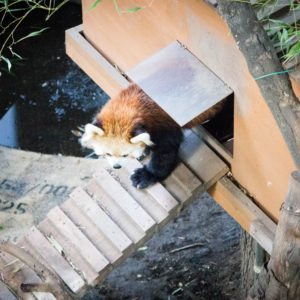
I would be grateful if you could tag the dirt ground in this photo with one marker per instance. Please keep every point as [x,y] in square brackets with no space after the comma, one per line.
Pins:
[53,96]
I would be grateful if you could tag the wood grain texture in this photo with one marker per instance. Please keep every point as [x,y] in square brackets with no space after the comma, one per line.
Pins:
[155,210]
[37,243]
[245,212]
[124,200]
[115,211]
[95,65]
[77,249]
[200,159]
[179,83]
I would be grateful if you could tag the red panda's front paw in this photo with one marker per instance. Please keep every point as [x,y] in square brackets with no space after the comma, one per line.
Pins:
[142,178]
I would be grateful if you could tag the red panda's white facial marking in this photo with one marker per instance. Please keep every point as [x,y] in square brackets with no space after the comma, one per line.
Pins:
[114,149]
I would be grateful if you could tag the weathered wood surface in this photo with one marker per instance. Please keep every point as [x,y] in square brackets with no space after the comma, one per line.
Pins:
[95,64]
[281,278]
[179,83]
[245,212]
[33,183]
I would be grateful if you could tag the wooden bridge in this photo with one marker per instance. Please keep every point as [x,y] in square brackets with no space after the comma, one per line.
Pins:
[103,222]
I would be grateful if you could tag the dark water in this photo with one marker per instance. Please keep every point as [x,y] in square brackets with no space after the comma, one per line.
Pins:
[47,95]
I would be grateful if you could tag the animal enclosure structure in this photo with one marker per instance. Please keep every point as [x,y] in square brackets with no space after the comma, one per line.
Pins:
[261,168]
[182,50]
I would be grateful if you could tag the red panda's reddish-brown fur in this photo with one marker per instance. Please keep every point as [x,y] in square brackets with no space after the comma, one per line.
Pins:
[132,122]
[132,106]
[129,109]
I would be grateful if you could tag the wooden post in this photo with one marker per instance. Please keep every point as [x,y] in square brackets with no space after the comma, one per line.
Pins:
[281,278]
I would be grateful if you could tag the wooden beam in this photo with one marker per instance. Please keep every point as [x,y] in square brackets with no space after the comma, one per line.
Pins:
[240,207]
[281,278]
[93,63]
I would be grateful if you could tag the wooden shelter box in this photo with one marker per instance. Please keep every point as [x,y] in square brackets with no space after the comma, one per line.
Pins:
[113,41]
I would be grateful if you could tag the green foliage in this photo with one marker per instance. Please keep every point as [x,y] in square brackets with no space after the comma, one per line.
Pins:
[13,14]
[117,7]
[286,37]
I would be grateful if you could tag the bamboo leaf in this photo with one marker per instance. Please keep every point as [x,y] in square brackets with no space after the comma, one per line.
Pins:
[292,52]
[117,7]
[94,4]
[15,54]
[133,9]
[7,62]
[32,34]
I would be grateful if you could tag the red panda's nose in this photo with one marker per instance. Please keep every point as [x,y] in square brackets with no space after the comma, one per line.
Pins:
[117,166]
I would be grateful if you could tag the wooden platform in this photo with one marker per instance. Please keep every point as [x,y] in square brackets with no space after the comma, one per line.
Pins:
[104,221]
[179,83]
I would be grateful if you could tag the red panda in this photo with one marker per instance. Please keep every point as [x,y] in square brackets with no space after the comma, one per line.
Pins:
[131,124]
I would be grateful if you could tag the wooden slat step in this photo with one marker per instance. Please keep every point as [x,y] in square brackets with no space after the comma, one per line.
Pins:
[177,81]
[77,248]
[96,225]
[126,202]
[155,210]
[120,206]
[182,183]
[114,211]
[156,191]
[201,159]
[38,245]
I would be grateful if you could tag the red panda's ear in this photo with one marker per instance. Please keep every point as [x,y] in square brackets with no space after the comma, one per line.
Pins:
[139,134]
[90,129]
[142,137]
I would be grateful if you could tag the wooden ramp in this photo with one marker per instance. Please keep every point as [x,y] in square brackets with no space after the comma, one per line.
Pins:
[103,222]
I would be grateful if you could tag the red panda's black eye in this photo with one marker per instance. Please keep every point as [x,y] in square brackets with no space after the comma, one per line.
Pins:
[108,154]
[125,155]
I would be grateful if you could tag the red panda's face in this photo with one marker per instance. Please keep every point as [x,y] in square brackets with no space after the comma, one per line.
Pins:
[114,149]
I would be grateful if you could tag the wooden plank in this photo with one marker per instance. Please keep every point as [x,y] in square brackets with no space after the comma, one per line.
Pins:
[124,200]
[5,293]
[245,212]
[214,143]
[93,63]
[157,191]
[201,160]
[115,212]
[179,83]
[72,255]
[182,183]
[37,243]
[77,248]
[154,209]
[96,225]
